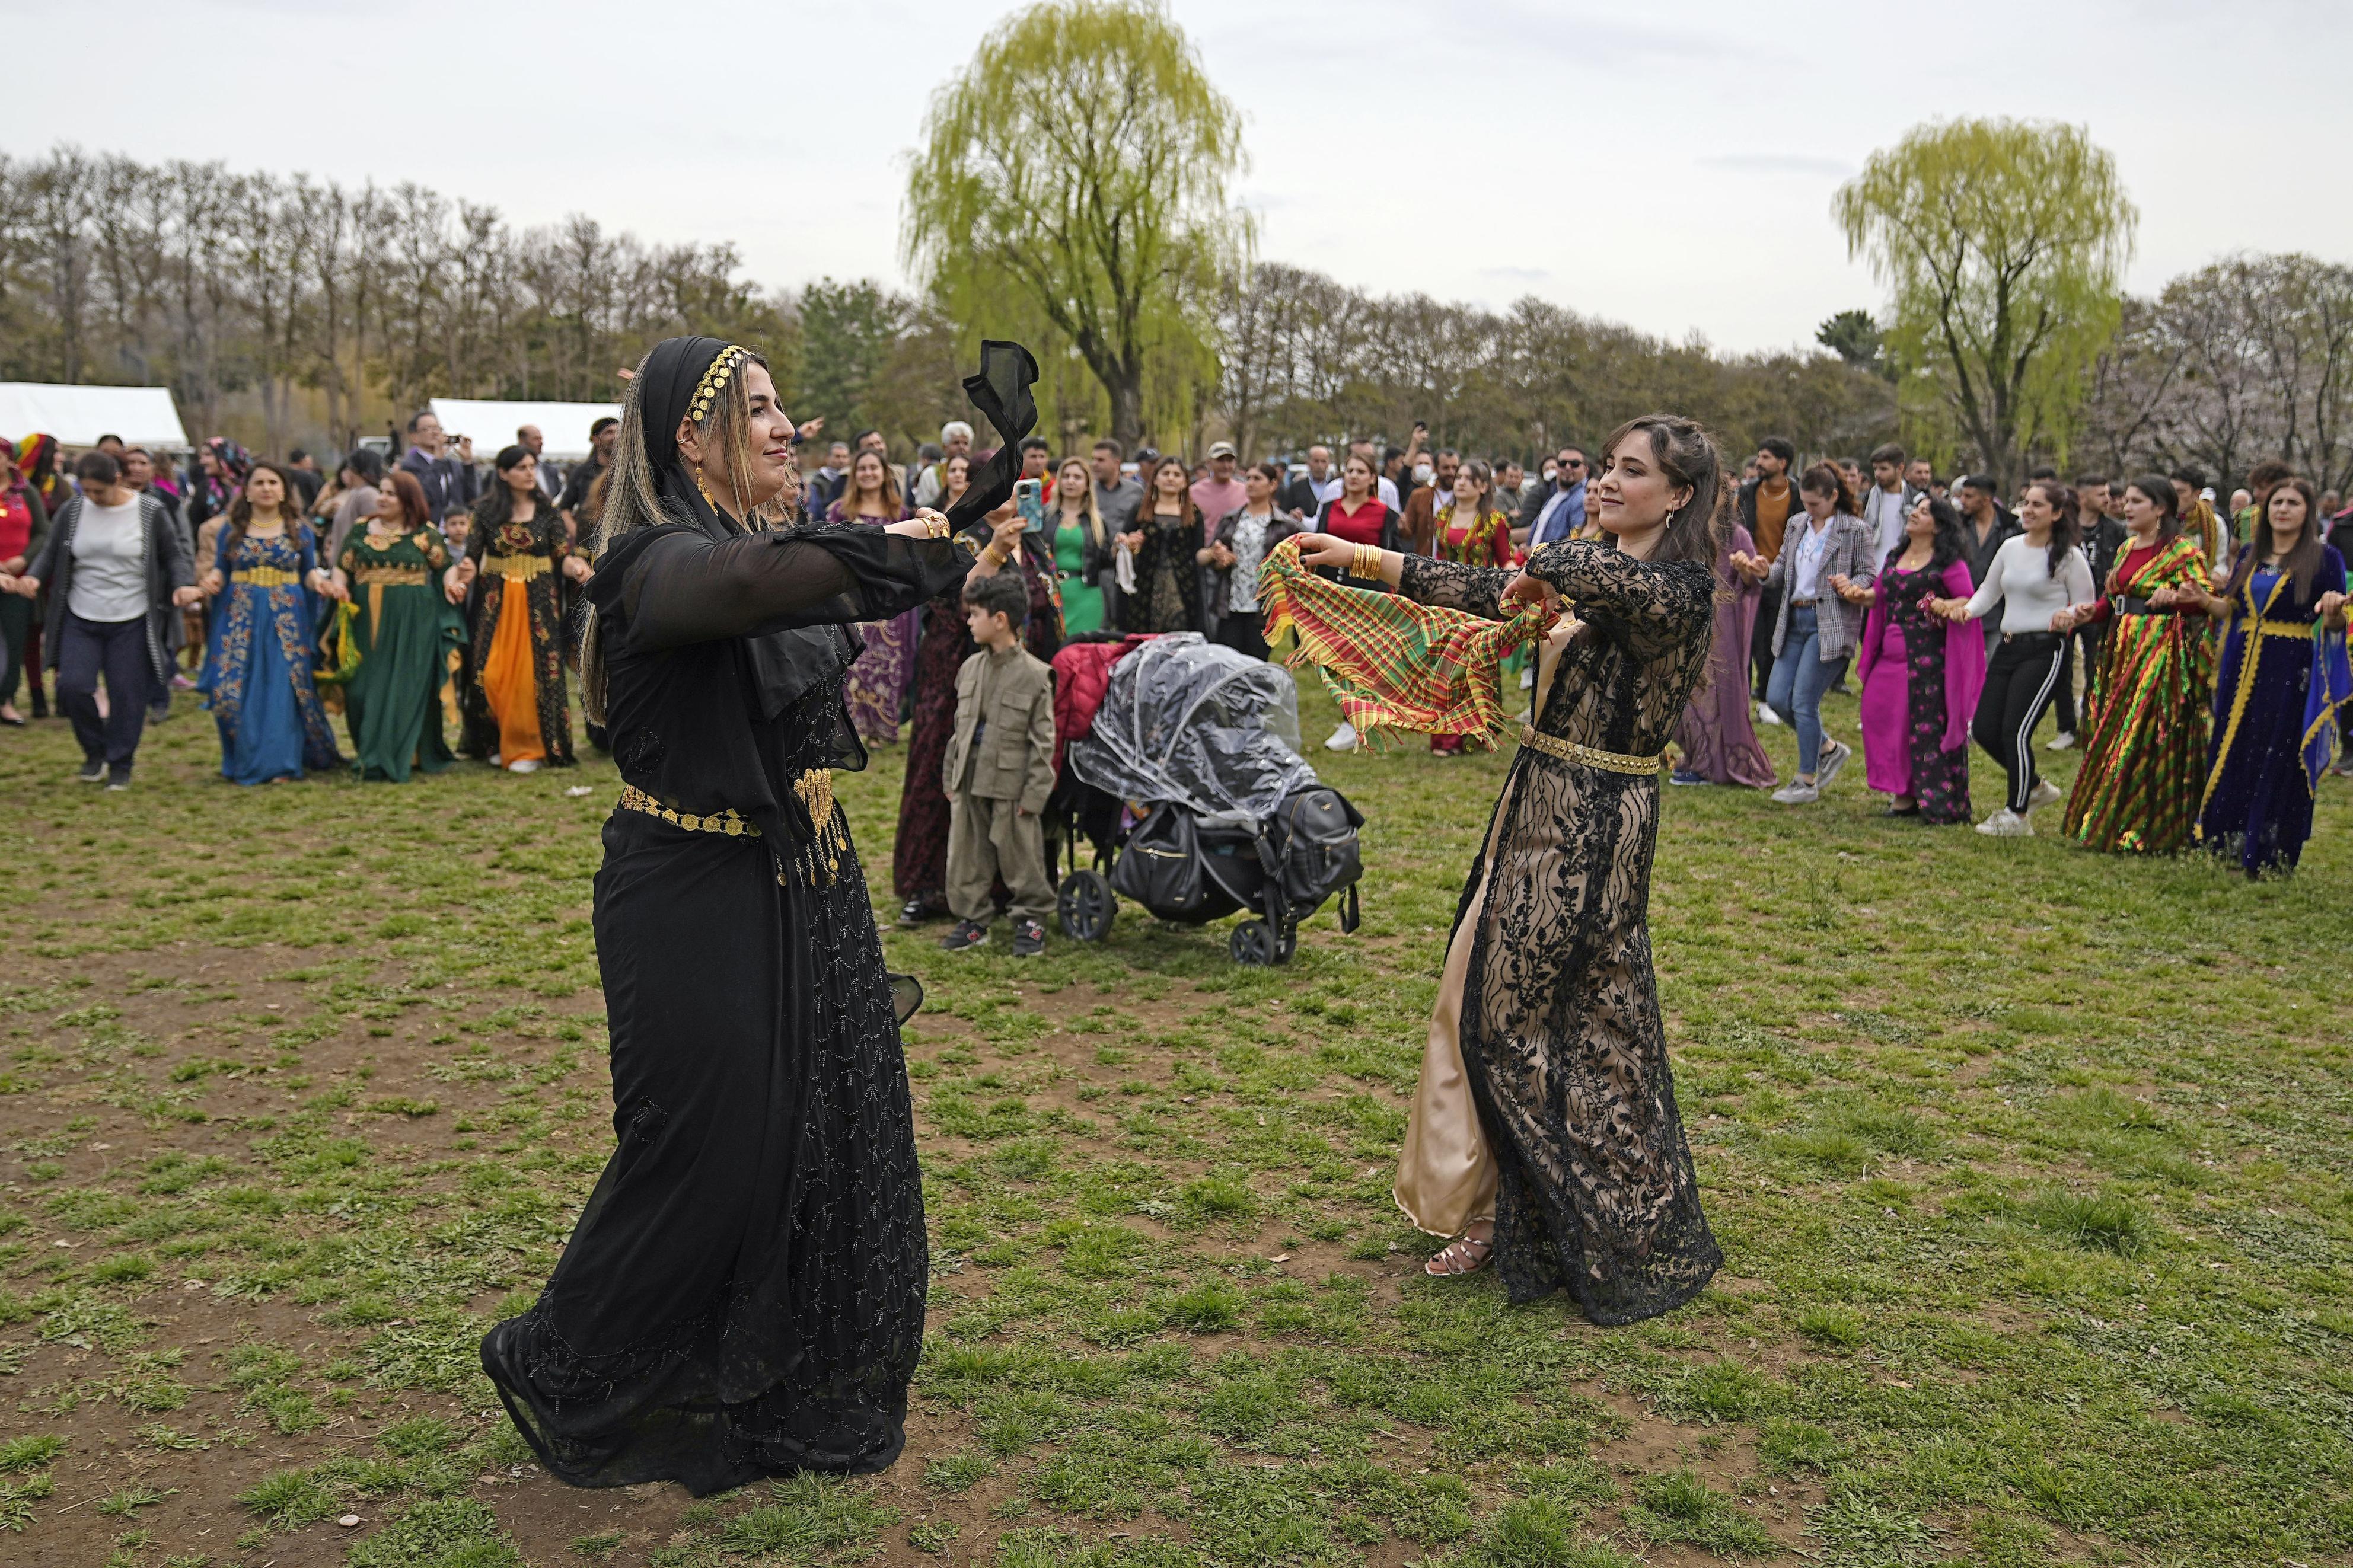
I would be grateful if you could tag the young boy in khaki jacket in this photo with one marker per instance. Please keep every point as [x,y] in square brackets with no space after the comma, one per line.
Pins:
[998,771]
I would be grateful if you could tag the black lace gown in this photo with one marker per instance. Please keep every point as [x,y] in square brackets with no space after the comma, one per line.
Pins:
[744,1295]
[1561,1041]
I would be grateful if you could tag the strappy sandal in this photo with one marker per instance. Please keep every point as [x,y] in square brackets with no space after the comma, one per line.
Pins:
[1463,1255]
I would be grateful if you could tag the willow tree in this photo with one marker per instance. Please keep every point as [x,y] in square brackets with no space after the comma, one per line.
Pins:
[1080,164]
[2003,243]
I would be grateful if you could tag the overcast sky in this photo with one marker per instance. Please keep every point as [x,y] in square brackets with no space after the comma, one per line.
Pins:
[1674,173]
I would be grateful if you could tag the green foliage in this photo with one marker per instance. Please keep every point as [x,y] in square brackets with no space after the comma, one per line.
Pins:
[810,1514]
[2003,243]
[849,330]
[1679,1506]
[2098,1221]
[1855,338]
[438,1533]
[1079,168]
[29,1453]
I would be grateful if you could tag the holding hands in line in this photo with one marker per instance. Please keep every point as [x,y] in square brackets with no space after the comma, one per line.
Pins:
[1756,568]
[27,588]
[1847,588]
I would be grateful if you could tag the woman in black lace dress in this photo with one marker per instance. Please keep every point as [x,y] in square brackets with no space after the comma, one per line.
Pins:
[1544,1135]
[743,1294]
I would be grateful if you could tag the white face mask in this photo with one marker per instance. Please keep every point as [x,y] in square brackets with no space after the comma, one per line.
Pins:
[1423,473]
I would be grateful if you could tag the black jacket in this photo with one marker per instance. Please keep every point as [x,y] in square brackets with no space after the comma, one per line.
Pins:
[1980,556]
[168,567]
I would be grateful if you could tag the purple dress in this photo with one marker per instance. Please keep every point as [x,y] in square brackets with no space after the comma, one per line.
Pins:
[876,685]
[1921,677]
[1716,737]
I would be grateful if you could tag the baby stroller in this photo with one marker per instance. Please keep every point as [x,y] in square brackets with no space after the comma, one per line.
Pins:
[1204,741]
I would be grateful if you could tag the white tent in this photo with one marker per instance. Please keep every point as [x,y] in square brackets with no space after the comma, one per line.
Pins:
[78,416]
[492,425]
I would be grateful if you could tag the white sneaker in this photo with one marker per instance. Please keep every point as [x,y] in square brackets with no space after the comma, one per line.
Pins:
[1796,792]
[2043,792]
[497,761]
[2005,823]
[2060,742]
[1344,739]
[1765,715]
[1827,766]
[523,765]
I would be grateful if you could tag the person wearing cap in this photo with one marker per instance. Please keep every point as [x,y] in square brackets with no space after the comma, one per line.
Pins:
[1220,493]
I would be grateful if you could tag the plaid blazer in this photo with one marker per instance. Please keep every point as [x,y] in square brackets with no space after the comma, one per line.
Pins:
[1850,553]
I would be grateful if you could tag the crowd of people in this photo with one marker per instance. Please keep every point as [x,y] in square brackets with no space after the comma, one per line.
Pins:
[2183,647]
[745,1294]
[408,599]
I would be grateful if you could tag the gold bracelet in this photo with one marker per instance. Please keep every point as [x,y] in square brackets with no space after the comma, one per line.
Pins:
[1367,563]
[993,555]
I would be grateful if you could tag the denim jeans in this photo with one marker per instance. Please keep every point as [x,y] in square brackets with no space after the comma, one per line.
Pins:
[1799,676]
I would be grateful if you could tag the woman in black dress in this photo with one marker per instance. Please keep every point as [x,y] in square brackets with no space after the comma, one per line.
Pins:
[1166,534]
[1544,1135]
[743,1294]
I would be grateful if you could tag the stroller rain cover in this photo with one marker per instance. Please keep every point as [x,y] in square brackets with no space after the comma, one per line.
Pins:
[1201,725]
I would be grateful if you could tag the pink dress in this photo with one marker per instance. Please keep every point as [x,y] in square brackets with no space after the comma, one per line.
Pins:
[1921,677]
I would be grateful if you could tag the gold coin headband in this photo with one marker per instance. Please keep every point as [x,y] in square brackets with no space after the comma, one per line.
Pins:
[715,381]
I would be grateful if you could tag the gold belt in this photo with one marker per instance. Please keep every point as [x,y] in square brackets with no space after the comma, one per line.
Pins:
[267,577]
[820,859]
[727,821]
[524,566]
[393,576]
[1591,756]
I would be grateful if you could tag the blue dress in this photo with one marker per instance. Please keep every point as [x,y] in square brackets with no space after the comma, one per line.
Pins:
[2284,685]
[257,677]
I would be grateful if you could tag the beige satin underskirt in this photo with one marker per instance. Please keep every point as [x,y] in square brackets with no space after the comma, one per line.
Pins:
[1446,1173]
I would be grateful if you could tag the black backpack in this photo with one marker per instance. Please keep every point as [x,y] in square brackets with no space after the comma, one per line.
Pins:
[1161,867]
[1313,840]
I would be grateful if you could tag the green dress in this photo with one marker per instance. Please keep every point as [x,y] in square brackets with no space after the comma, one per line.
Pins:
[407,629]
[1082,601]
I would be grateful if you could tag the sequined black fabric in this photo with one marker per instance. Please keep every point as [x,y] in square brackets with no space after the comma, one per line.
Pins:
[744,1295]
[1561,1038]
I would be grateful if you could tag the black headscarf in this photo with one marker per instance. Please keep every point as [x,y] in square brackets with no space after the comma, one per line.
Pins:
[789,664]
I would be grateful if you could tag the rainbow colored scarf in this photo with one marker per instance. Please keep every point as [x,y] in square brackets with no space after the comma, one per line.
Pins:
[1393,665]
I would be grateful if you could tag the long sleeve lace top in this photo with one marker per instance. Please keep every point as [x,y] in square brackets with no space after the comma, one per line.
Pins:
[1622,682]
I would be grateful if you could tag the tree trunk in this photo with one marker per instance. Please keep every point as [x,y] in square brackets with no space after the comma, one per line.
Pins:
[1126,389]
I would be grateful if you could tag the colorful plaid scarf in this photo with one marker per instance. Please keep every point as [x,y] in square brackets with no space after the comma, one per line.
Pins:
[1393,664]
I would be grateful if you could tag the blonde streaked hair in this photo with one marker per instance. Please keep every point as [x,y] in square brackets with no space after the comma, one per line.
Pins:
[633,495]
[1087,489]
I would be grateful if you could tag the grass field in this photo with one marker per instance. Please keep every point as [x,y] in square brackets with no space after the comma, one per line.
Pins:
[2030,1168]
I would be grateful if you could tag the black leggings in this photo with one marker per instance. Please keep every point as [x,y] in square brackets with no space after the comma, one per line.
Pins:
[2021,680]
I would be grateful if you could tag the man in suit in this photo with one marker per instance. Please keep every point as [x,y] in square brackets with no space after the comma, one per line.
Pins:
[1304,497]
[448,474]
